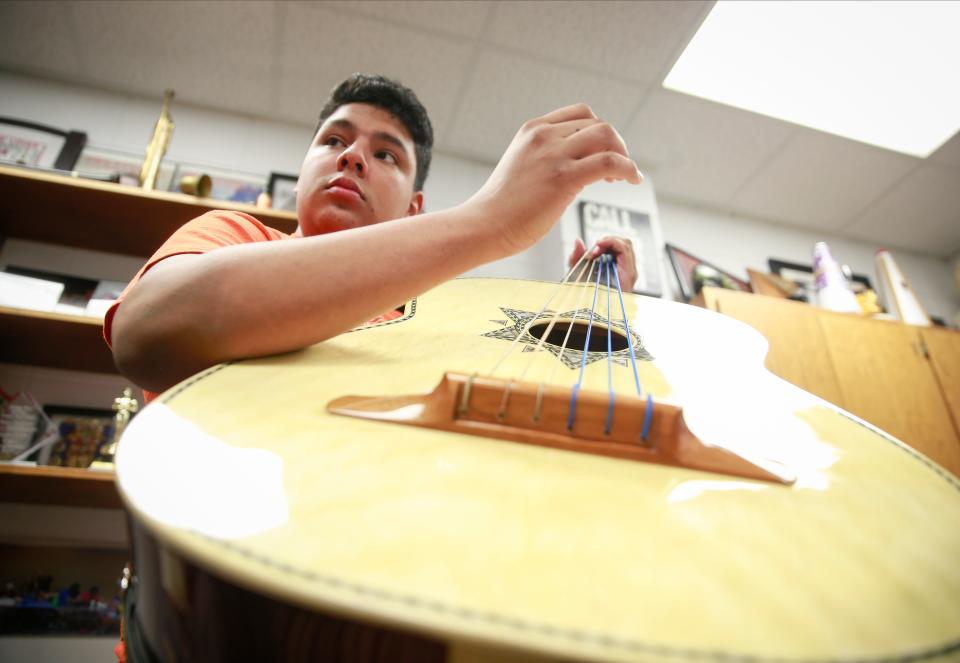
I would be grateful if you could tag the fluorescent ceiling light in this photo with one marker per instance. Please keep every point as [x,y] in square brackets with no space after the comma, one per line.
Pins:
[884,73]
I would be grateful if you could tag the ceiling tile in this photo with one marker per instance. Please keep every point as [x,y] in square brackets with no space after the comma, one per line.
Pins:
[507,90]
[462,18]
[821,181]
[38,37]
[631,40]
[322,47]
[145,47]
[949,152]
[700,150]
[921,213]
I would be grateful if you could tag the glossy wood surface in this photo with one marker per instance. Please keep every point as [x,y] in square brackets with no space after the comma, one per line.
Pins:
[64,486]
[103,216]
[943,346]
[798,350]
[241,471]
[887,379]
[55,340]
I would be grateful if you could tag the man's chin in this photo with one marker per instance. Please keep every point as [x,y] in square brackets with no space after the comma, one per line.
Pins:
[324,224]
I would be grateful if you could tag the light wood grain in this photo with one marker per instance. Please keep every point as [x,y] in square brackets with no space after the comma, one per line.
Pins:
[887,379]
[943,346]
[537,550]
[798,351]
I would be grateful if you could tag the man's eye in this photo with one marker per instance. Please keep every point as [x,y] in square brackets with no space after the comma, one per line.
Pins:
[389,157]
[333,141]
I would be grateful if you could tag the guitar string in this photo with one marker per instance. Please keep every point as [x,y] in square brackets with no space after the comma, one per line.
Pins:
[566,338]
[530,322]
[648,410]
[504,400]
[609,424]
[583,363]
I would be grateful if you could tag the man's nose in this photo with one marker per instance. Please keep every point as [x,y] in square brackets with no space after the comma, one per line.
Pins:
[351,159]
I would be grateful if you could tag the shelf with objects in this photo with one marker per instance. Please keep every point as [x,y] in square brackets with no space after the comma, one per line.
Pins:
[88,214]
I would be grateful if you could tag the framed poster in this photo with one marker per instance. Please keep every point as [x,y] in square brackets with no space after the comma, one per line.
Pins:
[30,144]
[694,273]
[598,220]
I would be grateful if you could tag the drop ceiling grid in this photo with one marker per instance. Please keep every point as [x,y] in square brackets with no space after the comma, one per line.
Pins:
[146,47]
[38,37]
[626,40]
[921,213]
[457,19]
[507,90]
[824,181]
[322,47]
[698,148]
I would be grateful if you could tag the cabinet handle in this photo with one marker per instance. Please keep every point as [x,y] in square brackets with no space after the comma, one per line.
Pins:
[921,349]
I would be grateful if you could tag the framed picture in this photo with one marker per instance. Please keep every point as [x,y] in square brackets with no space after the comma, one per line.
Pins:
[83,432]
[598,220]
[282,190]
[694,273]
[804,277]
[235,186]
[30,144]
[102,161]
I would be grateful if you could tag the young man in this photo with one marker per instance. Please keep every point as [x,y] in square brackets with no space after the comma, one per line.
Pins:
[226,287]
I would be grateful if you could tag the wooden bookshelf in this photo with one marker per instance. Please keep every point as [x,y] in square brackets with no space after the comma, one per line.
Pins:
[103,216]
[88,214]
[54,340]
[62,486]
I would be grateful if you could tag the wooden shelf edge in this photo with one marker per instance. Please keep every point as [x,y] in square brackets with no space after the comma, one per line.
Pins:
[62,486]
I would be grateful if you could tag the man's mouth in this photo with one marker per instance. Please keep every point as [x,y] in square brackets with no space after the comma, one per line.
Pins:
[346,186]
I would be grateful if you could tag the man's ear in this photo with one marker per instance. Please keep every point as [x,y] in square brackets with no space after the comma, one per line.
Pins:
[416,204]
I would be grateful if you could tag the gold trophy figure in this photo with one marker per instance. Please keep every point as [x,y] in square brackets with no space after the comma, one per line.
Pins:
[157,146]
[124,405]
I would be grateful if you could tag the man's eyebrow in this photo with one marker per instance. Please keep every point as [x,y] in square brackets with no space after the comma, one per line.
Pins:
[384,136]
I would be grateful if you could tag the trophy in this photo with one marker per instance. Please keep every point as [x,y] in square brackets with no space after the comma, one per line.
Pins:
[158,145]
[125,406]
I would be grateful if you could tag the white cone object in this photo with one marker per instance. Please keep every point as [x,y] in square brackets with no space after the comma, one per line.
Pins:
[902,302]
[833,291]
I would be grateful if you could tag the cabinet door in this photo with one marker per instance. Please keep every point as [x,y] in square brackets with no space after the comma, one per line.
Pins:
[798,351]
[944,348]
[887,379]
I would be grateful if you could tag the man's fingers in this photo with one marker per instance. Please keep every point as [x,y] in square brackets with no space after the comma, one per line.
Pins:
[599,137]
[574,112]
[603,165]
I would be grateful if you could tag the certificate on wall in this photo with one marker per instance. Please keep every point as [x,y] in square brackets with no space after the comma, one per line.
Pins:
[597,220]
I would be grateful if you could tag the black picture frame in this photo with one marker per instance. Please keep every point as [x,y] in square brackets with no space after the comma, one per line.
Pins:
[684,264]
[598,220]
[69,144]
[282,190]
[83,434]
[803,276]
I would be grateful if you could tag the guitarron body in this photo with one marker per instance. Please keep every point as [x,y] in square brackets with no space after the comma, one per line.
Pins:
[267,527]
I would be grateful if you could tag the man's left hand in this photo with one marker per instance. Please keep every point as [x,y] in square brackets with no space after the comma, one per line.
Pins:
[621,248]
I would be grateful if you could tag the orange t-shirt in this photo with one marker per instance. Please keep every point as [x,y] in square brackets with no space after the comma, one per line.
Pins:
[209,231]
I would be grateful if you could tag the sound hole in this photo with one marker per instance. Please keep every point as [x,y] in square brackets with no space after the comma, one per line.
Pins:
[578,336]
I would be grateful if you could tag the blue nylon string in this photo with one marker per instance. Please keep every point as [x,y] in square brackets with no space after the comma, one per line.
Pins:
[609,424]
[648,413]
[583,362]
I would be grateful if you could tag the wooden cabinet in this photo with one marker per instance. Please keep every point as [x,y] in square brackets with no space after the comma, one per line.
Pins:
[903,379]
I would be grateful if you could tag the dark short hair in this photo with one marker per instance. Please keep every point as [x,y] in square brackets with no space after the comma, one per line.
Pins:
[399,101]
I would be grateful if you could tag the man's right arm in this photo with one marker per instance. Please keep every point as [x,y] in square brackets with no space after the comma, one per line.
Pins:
[189,312]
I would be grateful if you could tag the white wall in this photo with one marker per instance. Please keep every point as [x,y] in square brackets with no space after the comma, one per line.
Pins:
[237,142]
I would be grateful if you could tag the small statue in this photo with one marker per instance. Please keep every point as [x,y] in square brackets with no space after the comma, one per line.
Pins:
[158,145]
[125,406]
